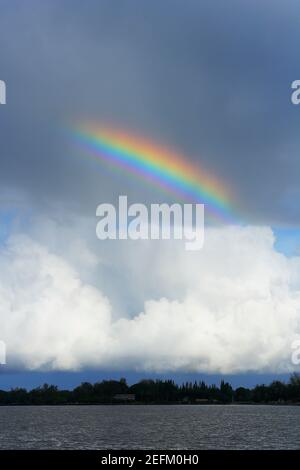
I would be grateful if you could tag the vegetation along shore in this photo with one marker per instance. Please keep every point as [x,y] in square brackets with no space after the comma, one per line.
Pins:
[156,392]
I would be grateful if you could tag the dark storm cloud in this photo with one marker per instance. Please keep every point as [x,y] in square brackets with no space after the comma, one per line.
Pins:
[210,78]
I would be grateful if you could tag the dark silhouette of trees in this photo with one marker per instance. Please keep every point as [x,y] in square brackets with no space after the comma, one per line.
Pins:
[84,393]
[154,391]
[260,394]
[149,391]
[243,394]
[226,392]
[294,387]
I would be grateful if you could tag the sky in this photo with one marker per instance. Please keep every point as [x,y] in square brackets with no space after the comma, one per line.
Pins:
[210,80]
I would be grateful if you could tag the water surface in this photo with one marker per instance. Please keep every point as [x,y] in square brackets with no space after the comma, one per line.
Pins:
[150,427]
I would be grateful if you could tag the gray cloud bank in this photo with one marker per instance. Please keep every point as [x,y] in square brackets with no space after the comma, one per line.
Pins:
[211,79]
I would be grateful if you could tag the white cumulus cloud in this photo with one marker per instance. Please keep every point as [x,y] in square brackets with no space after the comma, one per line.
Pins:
[233,306]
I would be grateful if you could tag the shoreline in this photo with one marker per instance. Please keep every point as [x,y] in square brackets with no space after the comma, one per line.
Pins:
[146,404]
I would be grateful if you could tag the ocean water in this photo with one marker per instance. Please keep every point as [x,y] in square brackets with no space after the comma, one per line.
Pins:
[150,427]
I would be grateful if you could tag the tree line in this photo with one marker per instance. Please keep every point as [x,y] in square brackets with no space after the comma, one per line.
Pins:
[155,391]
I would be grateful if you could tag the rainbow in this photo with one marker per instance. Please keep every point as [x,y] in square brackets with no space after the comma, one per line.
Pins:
[157,164]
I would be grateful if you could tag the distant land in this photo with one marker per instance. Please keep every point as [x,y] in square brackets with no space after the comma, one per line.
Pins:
[156,392]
